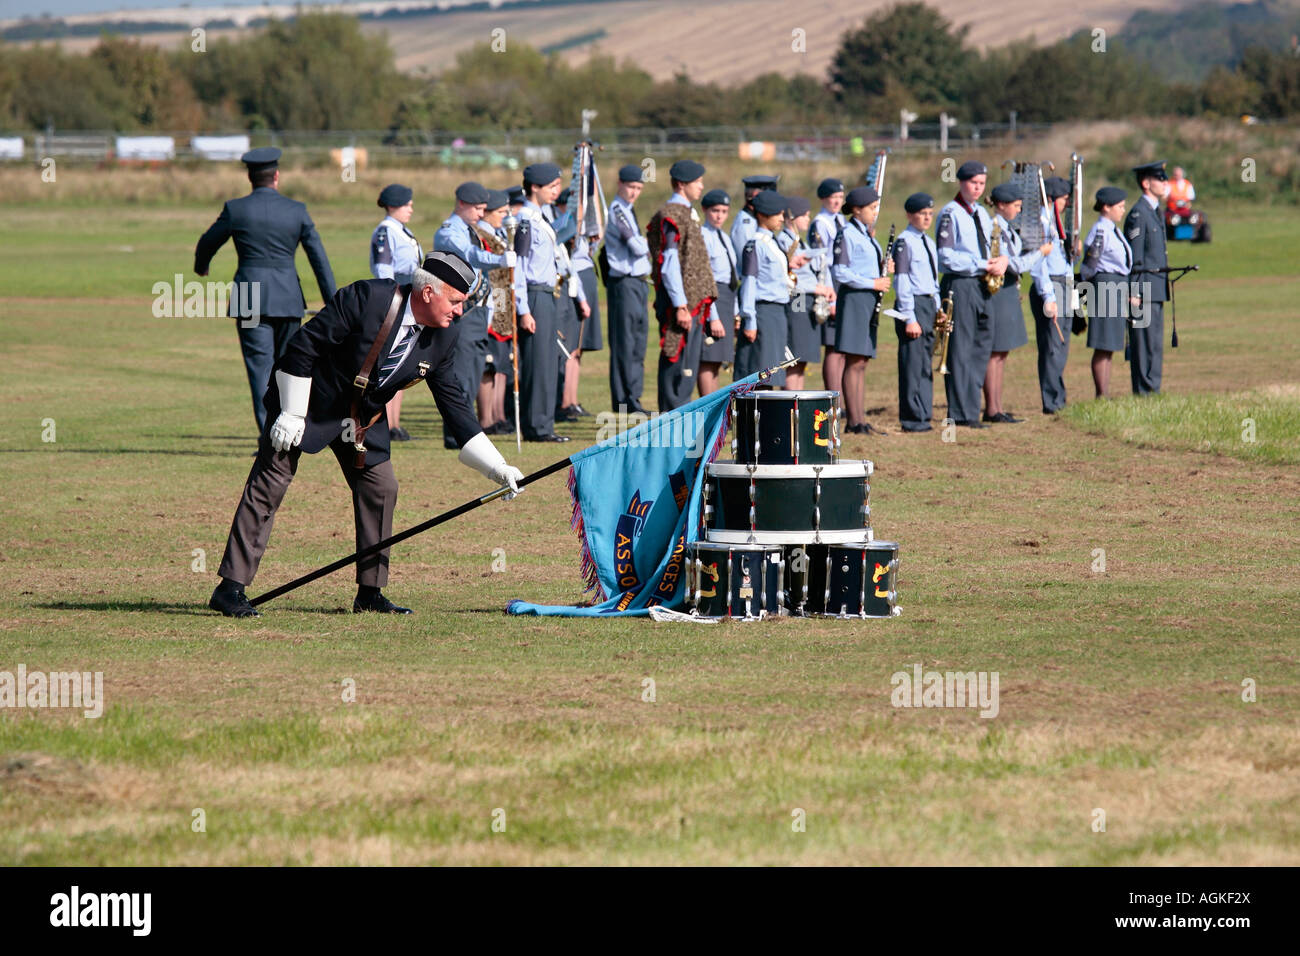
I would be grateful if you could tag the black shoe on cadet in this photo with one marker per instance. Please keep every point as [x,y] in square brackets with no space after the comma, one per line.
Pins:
[229,598]
[372,599]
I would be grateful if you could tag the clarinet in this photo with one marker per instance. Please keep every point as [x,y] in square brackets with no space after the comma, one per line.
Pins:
[889,254]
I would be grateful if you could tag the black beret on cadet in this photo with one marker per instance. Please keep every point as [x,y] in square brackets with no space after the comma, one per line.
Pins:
[860,196]
[769,203]
[515,194]
[685,171]
[541,174]
[797,206]
[970,169]
[715,197]
[395,194]
[1006,192]
[1056,187]
[631,173]
[829,187]
[918,201]
[472,193]
[1108,196]
[496,199]
[451,269]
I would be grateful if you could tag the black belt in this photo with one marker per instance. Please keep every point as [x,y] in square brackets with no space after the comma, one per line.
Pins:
[548,286]
[770,302]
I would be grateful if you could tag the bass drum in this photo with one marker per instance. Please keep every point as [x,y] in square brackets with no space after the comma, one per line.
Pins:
[785,428]
[787,504]
[744,583]
[844,580]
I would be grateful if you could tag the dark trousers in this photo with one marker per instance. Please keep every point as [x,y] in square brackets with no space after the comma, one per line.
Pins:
[374,494]
[538,372]
[1052,352]
[1146,350]
[677,379]
[262,344]
[471,354]
[969,346]
[916,367]
[629,324]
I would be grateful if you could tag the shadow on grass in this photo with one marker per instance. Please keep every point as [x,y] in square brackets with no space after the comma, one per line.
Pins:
[232,453]
[197,609]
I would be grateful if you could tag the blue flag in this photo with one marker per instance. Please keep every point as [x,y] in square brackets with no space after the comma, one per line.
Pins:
[636,505]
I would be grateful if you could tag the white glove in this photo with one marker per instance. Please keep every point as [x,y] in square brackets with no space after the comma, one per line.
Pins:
[480,454]
[511,258]
[295,396]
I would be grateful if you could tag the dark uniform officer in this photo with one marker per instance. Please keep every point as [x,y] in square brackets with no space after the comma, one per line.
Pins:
[316,402]
[626,255]
[1051,291]
[743,229]
[1145,230]
[267,229]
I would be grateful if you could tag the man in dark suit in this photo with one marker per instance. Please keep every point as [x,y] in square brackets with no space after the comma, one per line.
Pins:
[331,387]
[1145,229]
[267,296]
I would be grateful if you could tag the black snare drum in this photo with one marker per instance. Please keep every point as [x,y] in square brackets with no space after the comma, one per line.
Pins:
[785,428]
[787,504]
[734,582]
[844,580]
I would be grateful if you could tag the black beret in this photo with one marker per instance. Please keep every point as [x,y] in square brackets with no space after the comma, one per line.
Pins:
[1056,187]
[715,197]
[631,173]
[264,157]
[541,174]
[1108,196]
[970,169]
[829,187]
[395,194]
[763,181]
[1154,170]
[496,199]
[861,196]
[1006,192]
[918,201]
[563,198]
[769,203]
[686,171]
[515,194]
[472,193]
[451,269]
[797,206]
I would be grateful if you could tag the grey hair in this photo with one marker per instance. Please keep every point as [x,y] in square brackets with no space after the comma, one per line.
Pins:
[420,278]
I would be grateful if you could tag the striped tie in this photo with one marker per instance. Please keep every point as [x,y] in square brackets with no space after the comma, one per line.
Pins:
[396,356]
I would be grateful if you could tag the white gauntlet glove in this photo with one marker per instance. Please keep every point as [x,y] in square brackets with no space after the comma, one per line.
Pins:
[481,455]
[295,394]
[511,258]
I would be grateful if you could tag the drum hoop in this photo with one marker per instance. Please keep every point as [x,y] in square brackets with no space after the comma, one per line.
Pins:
[784,395]
[840,469]
[723,536]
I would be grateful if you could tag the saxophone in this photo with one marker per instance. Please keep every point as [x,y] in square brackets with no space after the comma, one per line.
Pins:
[943,327]
[791,251]
[993,283]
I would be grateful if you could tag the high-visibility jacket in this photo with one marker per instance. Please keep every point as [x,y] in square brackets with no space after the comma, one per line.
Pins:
[1180,190]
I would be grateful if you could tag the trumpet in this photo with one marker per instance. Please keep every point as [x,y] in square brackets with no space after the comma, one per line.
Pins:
[943,327]
[993,283]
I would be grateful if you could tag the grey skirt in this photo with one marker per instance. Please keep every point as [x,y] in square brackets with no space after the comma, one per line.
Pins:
[722,350]
[768,349]
[1107,311]
[855,321]
[804,332]
[1008,319]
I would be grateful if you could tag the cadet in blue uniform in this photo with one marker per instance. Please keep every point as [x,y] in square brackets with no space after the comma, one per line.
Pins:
[500,363]
[916,299]
[627,259]
[826,225]
[456,234]
[1049,298]
[1008,319]
[764,293]
[962,240]
[394,254]
[684,287]
[861,275]
[746,224]
[720,342]
[535,295]
[570,309]
[592,340]
[267,229]
[803,332]
[1106,267]
[1145,231]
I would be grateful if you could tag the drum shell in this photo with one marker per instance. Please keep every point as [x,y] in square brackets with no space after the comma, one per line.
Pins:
[786,504]
[840,580]
[732,596]
[785,428]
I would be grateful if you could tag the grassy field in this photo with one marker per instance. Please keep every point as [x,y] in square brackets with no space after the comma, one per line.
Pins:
[1121,689]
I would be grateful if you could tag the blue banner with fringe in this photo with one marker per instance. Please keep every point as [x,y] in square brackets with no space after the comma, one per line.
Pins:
[636,505]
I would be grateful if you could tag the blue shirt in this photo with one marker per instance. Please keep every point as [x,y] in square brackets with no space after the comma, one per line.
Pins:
[1107,250]
[535,246]
[858,259]
[1054,263]
[722,263]
[916,272]
[805,277]
[957,235]
[763,276]
[743,229]
[454,235]
[670,270]
[625,248]
[1019,259]
[394,251]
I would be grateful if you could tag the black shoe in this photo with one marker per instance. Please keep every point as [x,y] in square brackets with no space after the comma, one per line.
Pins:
[1007,418]
[399,434]
[555,438]
[566,415]
[449,443]
[636,409]
[229,598]
[379,604]
[989,418]
[970,424]
[581,411]
[916,429]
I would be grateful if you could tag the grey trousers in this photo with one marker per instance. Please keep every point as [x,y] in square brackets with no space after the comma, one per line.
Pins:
[1146,351]
[629,323]
[677,379]
[1052,352]
[471,353]
[538,369]
[374,494]
[969,346]
[916,367]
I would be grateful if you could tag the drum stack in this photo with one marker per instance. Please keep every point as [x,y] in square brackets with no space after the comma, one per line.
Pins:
[787,524]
